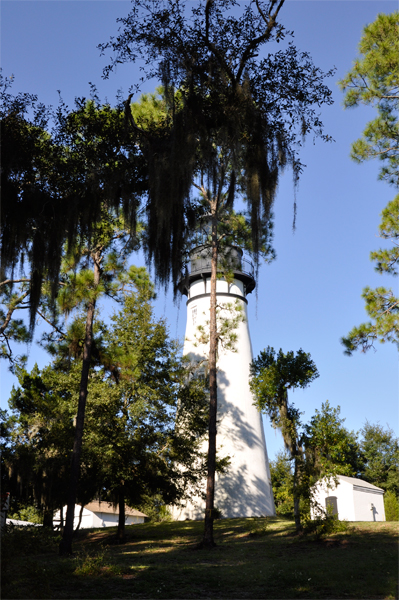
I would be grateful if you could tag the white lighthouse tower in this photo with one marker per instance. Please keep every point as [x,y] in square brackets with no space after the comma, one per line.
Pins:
[245,489]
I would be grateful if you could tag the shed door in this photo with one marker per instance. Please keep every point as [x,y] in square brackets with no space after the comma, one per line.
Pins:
[332,505]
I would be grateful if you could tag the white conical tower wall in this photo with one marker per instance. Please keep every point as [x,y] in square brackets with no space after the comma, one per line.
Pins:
[245,489]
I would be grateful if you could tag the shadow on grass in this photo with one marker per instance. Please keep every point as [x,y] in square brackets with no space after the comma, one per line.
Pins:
[163,561]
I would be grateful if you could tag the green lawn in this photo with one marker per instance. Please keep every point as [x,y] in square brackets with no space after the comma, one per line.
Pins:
[254,558]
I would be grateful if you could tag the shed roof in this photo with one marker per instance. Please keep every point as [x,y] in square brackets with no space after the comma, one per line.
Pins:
[359,482]
[107,507]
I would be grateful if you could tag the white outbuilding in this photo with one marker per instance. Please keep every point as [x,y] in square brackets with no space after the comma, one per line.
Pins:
[101,514]
[351,499]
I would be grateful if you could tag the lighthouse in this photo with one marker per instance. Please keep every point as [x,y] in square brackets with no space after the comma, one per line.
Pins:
[245,489]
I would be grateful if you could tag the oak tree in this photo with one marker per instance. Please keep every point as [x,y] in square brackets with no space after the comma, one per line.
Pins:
[239,119]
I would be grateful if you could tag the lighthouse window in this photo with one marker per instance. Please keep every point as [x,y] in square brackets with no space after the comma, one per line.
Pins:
[194,315]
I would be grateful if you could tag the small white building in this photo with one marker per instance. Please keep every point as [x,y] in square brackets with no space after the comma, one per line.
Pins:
[101,514]
[351,499]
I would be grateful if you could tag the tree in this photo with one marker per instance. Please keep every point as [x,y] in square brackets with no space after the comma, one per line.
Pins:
[151,437]
[38,458]
[107,251]
[374,80]
[52,194]
[282,483]
[330,448]
[381,451]
[131,448]
[237,122]
[382,305]
[93,174]
[272,375]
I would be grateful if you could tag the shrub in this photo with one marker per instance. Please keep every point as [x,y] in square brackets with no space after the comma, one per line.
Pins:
[391,505]
[324,523]
[27,513]
[155,509]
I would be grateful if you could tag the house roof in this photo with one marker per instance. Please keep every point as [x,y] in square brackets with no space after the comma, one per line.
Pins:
[359,482]
[107,507]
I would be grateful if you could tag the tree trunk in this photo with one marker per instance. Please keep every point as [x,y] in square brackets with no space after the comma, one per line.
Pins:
[65,546]
[80,518]
[121,519]
[48,518]
[210,483]
[297,514]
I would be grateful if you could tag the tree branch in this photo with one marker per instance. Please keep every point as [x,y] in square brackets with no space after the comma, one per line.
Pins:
[14,281]
[52,325]
[271,22]
[11,309]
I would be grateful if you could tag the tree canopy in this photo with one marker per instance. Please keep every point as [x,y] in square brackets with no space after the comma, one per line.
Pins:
[272,375]
[381,303]
[374,81]
[59,168]
[239,118]
[235,118]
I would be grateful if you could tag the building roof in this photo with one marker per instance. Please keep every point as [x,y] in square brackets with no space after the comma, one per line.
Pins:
[359,482]
[107,507]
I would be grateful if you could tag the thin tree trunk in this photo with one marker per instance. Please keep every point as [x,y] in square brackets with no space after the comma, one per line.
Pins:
[210,482]
[121,519]
[65,546]
[297,514]
[80,518]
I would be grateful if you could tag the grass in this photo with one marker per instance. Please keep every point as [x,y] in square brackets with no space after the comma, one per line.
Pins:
[254,558]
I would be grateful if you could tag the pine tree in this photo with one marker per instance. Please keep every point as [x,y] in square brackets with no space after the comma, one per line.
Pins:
[374,81]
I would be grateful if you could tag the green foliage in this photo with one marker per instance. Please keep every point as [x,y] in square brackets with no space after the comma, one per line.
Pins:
[60,169]
[323,524]
[326,448]
[227,112]
[380,448]
[259,527]
[391,505]
[330,448]
[381,303]
[272,375]
[282,484]
[27,540]
[137,389]
[155,509]
[228,317]
[13,297]
[27,513]
[95,564]
[374,80]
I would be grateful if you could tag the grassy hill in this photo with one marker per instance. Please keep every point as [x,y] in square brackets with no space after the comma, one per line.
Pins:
[254,558]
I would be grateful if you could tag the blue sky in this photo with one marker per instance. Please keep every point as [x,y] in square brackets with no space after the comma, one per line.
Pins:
[311,295]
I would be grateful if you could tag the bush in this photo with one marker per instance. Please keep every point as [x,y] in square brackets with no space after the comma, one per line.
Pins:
[155,509]
[391,505]
[27,513]
[324,523]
